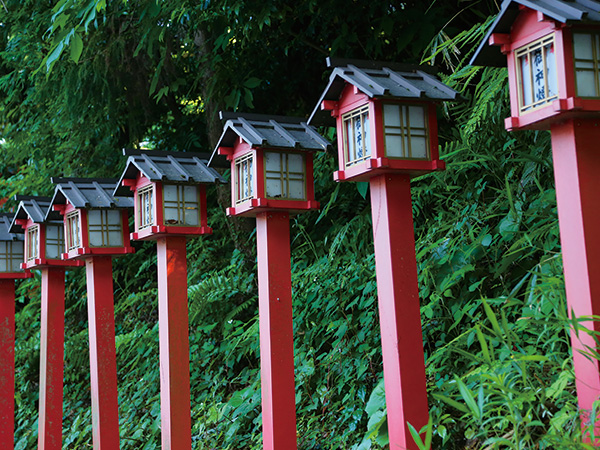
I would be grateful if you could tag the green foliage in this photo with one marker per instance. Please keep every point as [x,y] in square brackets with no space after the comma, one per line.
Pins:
[80,80]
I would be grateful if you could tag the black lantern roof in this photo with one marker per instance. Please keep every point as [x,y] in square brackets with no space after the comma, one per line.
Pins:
[35,208]
[5,224]
[381,80]
[564,11]
[88,193]
[260,130]
[179,167]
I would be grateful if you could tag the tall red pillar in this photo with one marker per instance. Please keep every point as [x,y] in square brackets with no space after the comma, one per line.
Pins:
[276,331]
[103,358]
[399,311]
[173,325]
[7,363]
[577,176]
[52,342]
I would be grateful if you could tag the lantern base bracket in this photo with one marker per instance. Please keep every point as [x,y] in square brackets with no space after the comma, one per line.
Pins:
[254,206]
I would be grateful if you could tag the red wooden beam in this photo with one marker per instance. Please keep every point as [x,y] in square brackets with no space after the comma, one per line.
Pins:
[399,311]
[103,359]
[577,176]
[7,363]
[52,341]
[176,421]
[276,331]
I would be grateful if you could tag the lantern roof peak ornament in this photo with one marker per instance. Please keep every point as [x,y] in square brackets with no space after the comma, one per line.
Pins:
[5,225]
[88,193]
[269,131]
[563,11]
[36,208]
[378,79]
[175,167]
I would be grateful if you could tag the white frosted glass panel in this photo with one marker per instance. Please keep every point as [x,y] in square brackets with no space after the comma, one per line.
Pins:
[170,192]
[171,215]
[295,162]
[191,194]
[115,238]
[417,116]
[350,137]
[367,140]
[94,217]
[273,161]
[3,266]
[394,146]
[418,147]
[296,189]
[551,70]
[274,187]
[52,232]
[52,251]
[582,45]
[4,257]
[114,217]
[586,85]
[358,138]
[95,238]
[191,217]
[391,115]
[526,81]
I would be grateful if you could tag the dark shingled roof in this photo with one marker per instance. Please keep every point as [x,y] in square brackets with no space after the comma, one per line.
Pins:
[179,167]
[35,208]
[88,193]
[269,131]
[381,80]
[565,11]
[5,222]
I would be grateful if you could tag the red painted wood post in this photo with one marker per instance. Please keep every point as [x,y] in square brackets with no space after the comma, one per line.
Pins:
[52,342]
[173,325]
[576,172]
[103,358]
[7,363]
[276,331]
[399,311]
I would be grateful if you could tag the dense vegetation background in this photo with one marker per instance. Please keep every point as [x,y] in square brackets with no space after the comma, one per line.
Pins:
[79,80]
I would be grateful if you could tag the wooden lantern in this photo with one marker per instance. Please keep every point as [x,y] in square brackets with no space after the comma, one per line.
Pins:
[271,162]
[385,117]
[95,222]
[44,233]
[169,191]
[552,50]
[12,250]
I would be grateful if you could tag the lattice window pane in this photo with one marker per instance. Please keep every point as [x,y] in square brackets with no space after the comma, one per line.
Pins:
[537,74]
[73,231]
[181,205]
[285,175]
[406,131]
[244,182]
[357,140]
[11,256]
[55,241]
[146,207]
[33,243]
[105,228]
[586,50]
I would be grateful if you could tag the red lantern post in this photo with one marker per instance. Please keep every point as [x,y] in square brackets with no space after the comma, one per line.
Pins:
[96,228]
[44,243]
[552,53]
[387,133]
[271,177]
[169,191]
[11,257]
